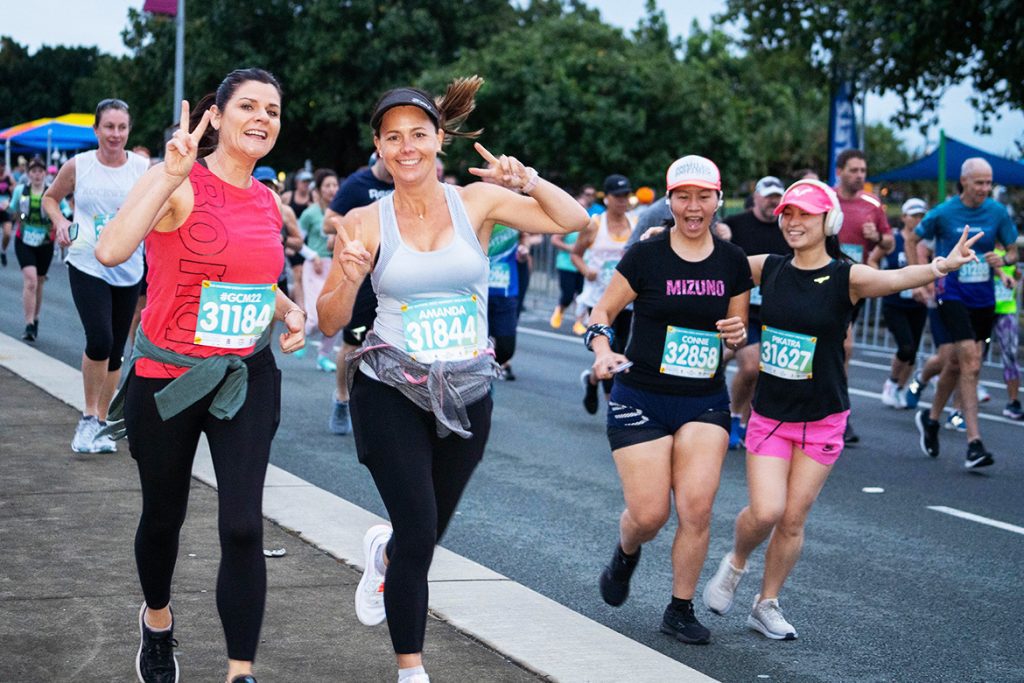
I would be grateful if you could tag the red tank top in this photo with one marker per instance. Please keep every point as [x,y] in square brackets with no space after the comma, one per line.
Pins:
[232,235]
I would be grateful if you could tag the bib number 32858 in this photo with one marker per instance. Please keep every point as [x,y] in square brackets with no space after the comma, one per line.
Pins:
[787,354]
[441,329]
[233,316]
[690,353]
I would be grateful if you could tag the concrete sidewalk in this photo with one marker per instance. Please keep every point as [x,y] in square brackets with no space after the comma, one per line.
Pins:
[69,595]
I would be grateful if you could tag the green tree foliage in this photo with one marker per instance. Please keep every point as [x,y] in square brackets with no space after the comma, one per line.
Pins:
[45,84]
[915,50]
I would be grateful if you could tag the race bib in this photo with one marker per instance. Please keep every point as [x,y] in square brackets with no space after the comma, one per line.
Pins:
[690,353]
[854,251]
[500,275]
[233,316]
[100,220]
[33,235]
[755,296]
[974,272]
[787,354]
[441,329]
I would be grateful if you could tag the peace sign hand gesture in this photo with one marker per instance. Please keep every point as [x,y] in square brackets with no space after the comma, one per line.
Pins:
[351,255]
[962,252]
[506,171]
[183,146]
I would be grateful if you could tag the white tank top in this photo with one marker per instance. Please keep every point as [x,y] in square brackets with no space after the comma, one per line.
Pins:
[603,255]
[432,304]
[99,192]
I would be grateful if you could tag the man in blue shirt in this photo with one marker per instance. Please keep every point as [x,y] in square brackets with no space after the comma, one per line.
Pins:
[966,297]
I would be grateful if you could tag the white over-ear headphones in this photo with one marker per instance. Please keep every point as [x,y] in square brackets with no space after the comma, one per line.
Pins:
[834,216]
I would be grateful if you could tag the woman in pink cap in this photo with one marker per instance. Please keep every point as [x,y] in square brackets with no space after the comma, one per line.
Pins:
[801,403]
[668,416]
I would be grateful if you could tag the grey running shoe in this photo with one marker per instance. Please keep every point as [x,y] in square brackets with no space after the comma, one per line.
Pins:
[341,420]
[766,617]
[977,456]
[155,661]
[720,591]
[85,435]
[929,430]
[102,443]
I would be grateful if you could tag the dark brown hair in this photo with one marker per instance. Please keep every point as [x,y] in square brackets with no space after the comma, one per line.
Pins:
[454,106]
[110,103]
[847,154]
[322,174]
[225,91]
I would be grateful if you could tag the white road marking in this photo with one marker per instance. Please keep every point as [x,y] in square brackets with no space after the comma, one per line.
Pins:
[970,516]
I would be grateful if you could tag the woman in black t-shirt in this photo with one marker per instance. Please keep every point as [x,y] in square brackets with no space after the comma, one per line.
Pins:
[668,417]
[801,402]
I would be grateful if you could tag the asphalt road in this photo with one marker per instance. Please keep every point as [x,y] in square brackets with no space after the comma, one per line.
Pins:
[888,589]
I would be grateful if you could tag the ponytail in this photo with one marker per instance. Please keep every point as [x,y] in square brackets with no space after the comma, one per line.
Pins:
[455,106]
[833,249]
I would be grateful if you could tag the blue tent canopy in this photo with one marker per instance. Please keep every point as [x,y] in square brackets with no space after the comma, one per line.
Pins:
[1004,171]
[55,134]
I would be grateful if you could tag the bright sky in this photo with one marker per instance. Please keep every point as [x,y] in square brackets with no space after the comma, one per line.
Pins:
[99,22]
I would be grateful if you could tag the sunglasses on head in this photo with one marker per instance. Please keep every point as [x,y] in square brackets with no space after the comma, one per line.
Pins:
[112,102]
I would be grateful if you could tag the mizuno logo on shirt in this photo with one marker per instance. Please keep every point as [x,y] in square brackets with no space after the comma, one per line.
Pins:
[819,280]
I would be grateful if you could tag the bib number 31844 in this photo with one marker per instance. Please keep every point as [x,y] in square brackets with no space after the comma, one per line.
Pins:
[441,329]
[233,316]
[690,353]
[787,354]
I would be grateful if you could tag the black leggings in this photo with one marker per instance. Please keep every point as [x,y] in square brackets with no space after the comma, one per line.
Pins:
[570,284]
[420,478]
[906,325]
[241,450]
[106,313]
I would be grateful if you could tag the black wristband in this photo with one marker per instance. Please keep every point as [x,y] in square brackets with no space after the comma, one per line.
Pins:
[596,330]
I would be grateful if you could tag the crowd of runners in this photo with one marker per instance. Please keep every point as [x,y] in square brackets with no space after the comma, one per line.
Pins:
[423,281]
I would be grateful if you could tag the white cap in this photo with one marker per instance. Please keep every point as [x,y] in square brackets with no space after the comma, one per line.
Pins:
[769,185]
[914,206]
[693,170]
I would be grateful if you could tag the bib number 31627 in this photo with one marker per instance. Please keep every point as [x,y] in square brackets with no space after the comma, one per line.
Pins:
[441,329]
[233,316]
[690,353]
[787,354]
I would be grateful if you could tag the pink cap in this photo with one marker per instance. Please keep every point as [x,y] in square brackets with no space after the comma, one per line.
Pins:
[810,197]
[693,170]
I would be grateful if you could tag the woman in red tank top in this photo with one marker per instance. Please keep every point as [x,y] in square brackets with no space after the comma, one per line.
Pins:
[213,245]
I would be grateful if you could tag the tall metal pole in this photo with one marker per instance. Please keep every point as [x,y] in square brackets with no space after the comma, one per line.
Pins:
[942,166]
[179,63]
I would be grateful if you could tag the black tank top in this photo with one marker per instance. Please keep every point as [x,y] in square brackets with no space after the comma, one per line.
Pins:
[815,303]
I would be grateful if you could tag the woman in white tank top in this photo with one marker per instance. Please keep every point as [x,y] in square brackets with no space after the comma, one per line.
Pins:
[420,396]
[105,297]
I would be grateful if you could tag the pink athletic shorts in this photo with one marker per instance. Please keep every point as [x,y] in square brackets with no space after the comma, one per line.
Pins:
[822,439]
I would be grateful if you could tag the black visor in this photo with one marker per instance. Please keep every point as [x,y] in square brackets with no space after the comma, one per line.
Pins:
[404,97]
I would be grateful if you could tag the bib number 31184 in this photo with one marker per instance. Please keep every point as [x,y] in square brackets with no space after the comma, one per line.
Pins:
[441,329]
[690,353]
[787,354]
[233,316]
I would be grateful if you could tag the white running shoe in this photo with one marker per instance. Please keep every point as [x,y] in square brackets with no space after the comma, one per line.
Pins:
[766,617]
[103,443]
[370,591]
[889,393]
[720,591]
[983,395]
[85,435]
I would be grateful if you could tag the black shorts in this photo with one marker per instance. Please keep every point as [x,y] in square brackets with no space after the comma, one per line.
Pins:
[40,256]
[364,312]
[295,259]
[966,324]
[754,327]
[638,416]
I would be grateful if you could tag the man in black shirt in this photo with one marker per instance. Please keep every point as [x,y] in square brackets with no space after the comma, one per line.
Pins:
[756,232]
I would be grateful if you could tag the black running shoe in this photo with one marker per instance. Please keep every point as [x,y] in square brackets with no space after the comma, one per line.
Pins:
[3,258]
[615,577]
[30,333]
[589,393]
[245,678]
[682,624]
[977,456]
[850,436]
[155,662]
[929,430]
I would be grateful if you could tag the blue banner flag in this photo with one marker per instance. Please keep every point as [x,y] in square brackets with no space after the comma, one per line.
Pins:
[842,126]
